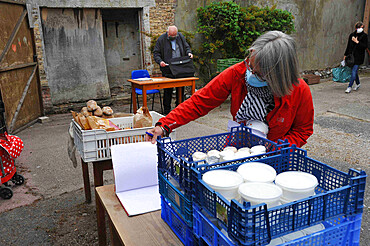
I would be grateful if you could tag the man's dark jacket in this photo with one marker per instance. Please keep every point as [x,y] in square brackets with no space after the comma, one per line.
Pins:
[163,50]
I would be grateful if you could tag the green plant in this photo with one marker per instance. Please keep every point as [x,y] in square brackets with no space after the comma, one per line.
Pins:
[228,31]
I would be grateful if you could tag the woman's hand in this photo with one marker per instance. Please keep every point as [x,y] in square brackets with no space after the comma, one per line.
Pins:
[156,131]
[354,39]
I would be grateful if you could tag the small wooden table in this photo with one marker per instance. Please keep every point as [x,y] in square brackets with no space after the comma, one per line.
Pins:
[144,229]
[160,83]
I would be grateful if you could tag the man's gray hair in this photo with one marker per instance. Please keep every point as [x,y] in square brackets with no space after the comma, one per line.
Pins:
[275,55]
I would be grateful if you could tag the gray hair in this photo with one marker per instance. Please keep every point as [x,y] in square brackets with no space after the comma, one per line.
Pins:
[275,56]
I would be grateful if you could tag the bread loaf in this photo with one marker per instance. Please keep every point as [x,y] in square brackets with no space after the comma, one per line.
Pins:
[91,105]
[98,112]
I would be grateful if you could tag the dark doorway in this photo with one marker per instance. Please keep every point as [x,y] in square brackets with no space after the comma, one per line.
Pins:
[121,47]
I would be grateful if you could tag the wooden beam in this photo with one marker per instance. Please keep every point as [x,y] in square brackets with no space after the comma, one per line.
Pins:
[21,2]
[5,69]
[12,36]
[22,98]
[366,16]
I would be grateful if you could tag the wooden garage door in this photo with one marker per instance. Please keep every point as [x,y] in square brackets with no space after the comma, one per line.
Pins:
[19,84]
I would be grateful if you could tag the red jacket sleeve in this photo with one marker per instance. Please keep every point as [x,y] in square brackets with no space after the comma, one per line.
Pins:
[302,127]
[201,102]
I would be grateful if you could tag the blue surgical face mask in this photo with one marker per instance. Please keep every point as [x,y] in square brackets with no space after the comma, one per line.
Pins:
[254,81]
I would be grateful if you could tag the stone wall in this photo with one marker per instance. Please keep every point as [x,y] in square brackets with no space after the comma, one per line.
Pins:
[34,7]
[37,32]
[161,16]
[322,26]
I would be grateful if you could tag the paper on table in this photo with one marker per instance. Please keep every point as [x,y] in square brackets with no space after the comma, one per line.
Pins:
[142,79]
[136,178]
[140,201]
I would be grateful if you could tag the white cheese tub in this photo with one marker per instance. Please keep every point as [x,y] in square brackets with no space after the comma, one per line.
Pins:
[296,185]
[225,182]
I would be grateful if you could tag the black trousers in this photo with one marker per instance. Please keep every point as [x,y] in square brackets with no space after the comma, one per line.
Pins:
[167,99]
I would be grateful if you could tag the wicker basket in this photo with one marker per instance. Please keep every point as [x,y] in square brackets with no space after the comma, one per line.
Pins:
[311,79]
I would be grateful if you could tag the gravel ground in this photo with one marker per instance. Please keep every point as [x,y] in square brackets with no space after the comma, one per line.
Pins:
[63,220]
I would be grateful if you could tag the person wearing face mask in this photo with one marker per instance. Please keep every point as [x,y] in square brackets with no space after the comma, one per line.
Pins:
[171,44]
[357,44]
[264,87]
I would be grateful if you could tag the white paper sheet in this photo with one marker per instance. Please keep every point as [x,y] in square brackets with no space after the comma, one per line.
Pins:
[140,201]
[142,79]
[136,178]
[134,165]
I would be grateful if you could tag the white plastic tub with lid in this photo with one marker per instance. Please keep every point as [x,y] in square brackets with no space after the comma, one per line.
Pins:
[258,149]
[199,156]
[258,127]
[257,193]
[283,200]
[241,154]
[213,153]
[227,155]
[244,149]
[224,181]
[213,156]
[230,148]
[257,172]
[296,185]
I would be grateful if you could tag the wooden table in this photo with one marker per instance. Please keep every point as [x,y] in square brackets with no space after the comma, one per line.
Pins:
[160,83]
[98,168]
[144,229]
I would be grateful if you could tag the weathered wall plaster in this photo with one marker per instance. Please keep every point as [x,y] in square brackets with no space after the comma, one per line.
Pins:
[74,51]
[322,26]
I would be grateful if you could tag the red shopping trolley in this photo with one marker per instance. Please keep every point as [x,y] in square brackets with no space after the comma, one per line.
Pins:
[10,148]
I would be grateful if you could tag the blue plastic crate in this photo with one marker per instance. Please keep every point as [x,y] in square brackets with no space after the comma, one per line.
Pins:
[179,202]
[340,231]
[175,157]
[337,194]
[178,226]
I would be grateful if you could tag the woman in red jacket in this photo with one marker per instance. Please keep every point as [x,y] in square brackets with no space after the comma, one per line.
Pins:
[264,87]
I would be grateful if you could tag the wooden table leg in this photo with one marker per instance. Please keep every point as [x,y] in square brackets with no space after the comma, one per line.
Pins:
[134,102]
[145,101]
[179,91]
[100,217]
[99,167]
[86,178]
[114,237]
